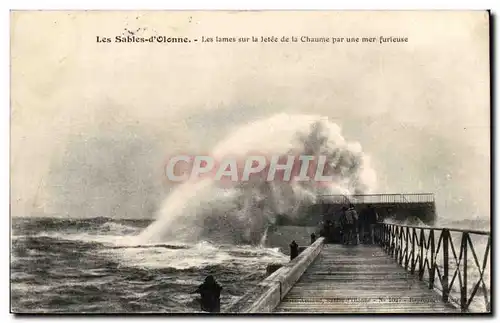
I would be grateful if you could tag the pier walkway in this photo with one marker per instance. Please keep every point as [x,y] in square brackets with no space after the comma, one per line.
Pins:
[359,279]
[410,269]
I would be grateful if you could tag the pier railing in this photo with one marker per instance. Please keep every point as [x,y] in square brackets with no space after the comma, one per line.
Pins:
[455,262]
[381,198]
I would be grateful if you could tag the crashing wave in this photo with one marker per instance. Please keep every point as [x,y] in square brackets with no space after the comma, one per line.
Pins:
[204,210]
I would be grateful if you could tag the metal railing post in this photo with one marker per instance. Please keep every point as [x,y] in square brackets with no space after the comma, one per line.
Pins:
[432,274]
[387,237]
[463,289]
[421,262]
[444,281]
[391,240]
[407,258]
[413,234]
[400,241]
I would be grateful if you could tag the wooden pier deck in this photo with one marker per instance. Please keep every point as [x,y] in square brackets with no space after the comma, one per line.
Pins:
[360,279]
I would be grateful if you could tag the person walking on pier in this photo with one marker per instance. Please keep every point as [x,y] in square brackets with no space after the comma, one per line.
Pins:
[349,222]
[210,295]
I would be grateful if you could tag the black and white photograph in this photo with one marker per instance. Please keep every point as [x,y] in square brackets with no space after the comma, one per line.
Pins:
[250,162]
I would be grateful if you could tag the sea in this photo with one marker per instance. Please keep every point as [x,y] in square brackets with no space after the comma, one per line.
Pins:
[92,266]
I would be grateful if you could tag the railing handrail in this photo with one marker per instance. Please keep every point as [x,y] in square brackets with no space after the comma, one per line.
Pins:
[385,197]
[376,194]
[481,232]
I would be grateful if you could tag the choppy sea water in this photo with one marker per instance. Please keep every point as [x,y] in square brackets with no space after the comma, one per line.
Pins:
[94,266]
[90,266]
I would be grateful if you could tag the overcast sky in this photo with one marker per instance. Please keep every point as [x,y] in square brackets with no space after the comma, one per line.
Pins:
[92,122]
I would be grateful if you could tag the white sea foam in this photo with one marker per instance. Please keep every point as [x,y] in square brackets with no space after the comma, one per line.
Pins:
[241,213]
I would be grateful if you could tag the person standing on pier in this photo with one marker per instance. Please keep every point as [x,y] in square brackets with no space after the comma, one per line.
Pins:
[367,221]
[371,221]
[349,223]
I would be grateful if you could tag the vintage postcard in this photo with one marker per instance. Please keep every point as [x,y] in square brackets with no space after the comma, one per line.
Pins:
[250,162]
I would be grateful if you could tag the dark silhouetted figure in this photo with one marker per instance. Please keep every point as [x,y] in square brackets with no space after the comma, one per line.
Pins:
[210,295]
[371,221]
[313,238]
[336,228]
[349,225]
[294,250]
[368,219]
[327,226]
[363,226]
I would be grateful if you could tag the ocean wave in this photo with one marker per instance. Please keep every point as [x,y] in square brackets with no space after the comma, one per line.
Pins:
[203,209]
[117,228]
[91,226]
[111,240]
[98,230]
[193,257]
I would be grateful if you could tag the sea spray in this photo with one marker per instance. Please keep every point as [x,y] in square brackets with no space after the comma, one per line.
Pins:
[203,209]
